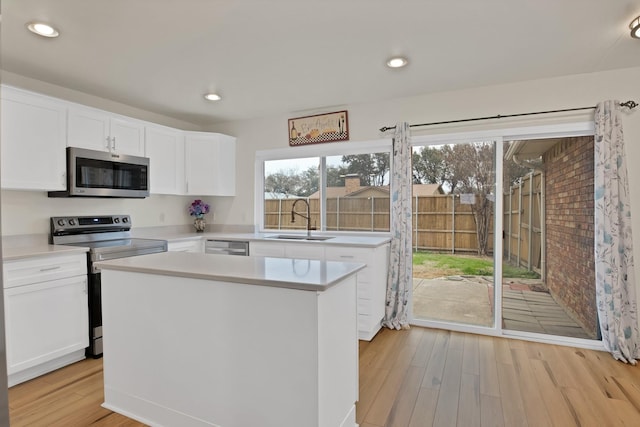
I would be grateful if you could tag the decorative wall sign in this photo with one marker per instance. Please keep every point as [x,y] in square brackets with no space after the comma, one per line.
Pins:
[327,127]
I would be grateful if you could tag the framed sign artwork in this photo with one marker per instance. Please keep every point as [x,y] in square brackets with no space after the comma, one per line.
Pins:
[328,127]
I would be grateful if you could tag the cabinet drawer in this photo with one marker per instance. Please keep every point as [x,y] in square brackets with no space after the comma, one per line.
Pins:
[266,249]
[364,289]
[364,306]
[349,254]
[304,251]
[363,256]
[364,322]
[41,269]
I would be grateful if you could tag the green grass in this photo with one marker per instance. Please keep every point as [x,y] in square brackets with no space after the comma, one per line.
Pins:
[469,265]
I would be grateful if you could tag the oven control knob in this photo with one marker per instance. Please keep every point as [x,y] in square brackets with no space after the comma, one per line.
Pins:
[116,220]
[72,221]
[125,219]
[61,222]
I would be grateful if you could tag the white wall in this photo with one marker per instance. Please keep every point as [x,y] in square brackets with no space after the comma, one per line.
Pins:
[28,212]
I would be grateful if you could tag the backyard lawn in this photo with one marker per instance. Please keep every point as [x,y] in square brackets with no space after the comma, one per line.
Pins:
[427,265]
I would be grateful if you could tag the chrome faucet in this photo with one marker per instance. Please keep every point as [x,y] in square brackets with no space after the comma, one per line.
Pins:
[307,217]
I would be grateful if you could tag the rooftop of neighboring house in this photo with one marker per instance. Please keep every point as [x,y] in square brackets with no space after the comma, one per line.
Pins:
[352,188]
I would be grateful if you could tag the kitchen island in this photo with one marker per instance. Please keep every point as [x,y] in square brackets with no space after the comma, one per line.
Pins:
[211,340]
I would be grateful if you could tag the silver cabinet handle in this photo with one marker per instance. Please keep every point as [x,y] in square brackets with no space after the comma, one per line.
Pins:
[108,144]
[50,268]
[346,256]
[114,142]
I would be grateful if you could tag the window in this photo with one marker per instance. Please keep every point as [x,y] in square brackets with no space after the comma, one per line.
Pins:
[346,187]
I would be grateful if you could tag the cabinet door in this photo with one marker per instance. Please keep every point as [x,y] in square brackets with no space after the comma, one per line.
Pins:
[266,249]
[224,183]
[88,128]
[186,246]
[33,141]
[45,321]
[127,136]
[304,251]
[165,149]
[102,131]
[210,164]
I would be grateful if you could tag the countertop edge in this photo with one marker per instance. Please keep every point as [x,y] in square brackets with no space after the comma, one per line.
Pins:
[164,270]
[39,251]
[355,241]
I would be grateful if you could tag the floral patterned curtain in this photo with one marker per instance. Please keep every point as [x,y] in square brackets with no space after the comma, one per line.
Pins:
[615,279]
[400,259]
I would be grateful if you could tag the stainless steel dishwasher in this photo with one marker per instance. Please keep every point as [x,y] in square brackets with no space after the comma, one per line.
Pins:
[226,247]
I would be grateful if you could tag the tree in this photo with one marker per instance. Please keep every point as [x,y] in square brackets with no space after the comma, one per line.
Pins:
[473,172]
[293,183]
[429,166]
[373,169]
[282,182]
[309,182]
[462,168]
[335,176]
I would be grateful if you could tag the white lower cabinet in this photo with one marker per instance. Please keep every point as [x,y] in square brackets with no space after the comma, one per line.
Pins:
[46,316]
[371,281]
[372,284]
[266,249]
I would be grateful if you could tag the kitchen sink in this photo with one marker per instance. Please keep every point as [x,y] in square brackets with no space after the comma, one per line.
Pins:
[299,237]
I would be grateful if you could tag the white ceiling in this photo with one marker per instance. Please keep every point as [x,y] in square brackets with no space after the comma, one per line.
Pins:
[288,56]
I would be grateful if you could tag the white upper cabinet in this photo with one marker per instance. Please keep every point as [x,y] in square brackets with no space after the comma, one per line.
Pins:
[210,164]
[165,149]
[33,141]
[100,130]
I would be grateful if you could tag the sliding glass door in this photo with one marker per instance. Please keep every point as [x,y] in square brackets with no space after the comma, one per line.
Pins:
[503,233]
[454,217]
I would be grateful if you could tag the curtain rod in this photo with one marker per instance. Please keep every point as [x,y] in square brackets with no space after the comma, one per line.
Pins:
[629,104]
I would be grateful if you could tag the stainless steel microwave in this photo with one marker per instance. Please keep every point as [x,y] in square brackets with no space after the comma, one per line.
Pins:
[92,173]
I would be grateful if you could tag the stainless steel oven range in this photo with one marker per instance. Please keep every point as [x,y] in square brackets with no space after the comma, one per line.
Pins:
[107,237]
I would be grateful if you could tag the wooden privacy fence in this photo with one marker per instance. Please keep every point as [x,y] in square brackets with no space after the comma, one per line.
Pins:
[440,222]
[523,223]
[445,223]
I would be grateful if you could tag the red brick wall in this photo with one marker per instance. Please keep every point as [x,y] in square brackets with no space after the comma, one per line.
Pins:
[569,221]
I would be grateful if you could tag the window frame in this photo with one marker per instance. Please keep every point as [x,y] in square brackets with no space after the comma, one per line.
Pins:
[321,151]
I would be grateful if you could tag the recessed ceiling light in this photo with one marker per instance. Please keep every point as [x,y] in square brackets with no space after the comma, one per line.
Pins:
[397,62]
[42,29]
[635,28]
[212,97]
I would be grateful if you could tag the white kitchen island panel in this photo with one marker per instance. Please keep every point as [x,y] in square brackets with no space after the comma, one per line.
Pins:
[195,352]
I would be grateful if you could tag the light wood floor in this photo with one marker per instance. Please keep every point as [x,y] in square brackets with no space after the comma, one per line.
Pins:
[420,377]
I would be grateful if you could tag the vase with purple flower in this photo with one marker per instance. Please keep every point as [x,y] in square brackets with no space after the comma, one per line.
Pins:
[198,209]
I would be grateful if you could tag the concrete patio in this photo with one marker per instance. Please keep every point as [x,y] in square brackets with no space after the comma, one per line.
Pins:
[469,300]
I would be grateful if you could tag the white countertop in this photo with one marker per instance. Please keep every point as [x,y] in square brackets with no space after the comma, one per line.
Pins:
[349,240]
[35,248]
[13,253]
[301,274]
